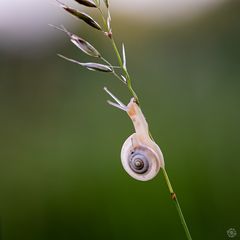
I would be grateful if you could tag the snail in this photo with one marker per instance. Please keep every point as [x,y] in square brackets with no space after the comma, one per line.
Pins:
[141,157]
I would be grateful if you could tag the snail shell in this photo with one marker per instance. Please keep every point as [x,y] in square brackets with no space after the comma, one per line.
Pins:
[140,155]
[141,161]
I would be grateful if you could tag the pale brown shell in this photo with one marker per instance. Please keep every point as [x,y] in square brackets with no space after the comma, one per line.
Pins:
[150,152]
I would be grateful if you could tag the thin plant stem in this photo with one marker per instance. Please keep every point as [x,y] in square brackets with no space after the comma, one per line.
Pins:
[173,195]
[130,88]
[174,198]
[129,82]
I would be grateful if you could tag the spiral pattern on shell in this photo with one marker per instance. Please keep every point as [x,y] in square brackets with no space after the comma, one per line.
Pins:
[141,161]
[138,161]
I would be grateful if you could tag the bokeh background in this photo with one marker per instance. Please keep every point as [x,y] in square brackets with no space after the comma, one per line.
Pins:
[60,171]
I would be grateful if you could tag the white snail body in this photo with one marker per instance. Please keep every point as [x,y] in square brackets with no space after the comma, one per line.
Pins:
[141,157]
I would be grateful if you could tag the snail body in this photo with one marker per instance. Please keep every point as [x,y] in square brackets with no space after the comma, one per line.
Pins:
[141,157]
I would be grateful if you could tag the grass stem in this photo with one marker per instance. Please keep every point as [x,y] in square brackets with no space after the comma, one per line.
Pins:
[174,198]
[130,88]
[129,82]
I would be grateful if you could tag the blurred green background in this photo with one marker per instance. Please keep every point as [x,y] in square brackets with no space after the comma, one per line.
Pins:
[60,171]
